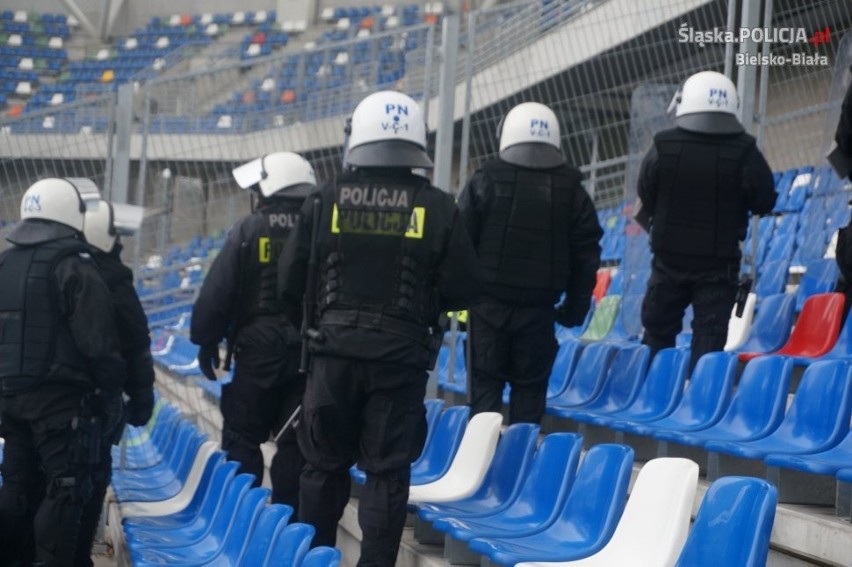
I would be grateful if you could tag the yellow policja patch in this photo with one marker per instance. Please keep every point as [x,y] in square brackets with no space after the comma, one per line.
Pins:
[379,223]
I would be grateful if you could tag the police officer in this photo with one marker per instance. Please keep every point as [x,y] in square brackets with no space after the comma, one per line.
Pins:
[536,232]
[61,375]
[105,222]
[238,302]
[843,133]
[391,254]
[697,184]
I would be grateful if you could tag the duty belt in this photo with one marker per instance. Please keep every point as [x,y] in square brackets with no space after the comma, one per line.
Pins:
[379,321]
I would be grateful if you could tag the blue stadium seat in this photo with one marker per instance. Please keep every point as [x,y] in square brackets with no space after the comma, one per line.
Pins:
[704,401]
[772,324]
[162,481]
[621,385]
[291,546]
[587,378]
[660,393]
[772,278]
[501,483]
[540,500]
[820,277]
[322,556]
[817,419]
[827,462]
[782,187]
[221,506]
[587,519]
[438,454]
[253,546]
[222,530]
[563,367]
[756,409]
[733,525]
[655,522]
[201,508]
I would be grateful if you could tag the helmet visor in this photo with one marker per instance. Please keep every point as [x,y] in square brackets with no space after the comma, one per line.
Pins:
[126,219]
[249,173]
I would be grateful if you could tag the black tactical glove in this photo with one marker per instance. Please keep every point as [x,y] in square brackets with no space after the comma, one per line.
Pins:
[571,314]
[140,407]
[208,359]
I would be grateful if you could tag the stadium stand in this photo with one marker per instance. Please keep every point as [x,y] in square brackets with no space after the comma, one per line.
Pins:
[600,367]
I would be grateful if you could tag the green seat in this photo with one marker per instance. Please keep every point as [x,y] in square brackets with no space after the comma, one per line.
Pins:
[602,319]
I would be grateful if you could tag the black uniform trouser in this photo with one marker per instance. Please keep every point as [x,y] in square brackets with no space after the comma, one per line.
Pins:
[513,344]
[712,294]
[266,390]
[52,455]
[368,412]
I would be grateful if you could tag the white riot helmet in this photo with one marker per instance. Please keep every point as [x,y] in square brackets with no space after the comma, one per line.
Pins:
[106,221]
[54,200]
[387,130]
[708,103]
[276,173]
[529,137]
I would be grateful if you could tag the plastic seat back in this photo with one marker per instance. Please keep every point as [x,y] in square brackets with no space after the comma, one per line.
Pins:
[273,519]
[628,322]
[563,367]
[820,277]
[596,500]
[602,281]
[469,464]
[655,522]
[290,546]
[843,347]
[434,407]
[817,328]
[508,468]
[602,319]
[760,400]
[818,417]
[322,556]
[733,525]
[231,532]
[772,278]
[623,381]
[204,502]
[708,393]
[738,327]
[771,326]
[544,490]
[254,527]
[662,388]
[437,455]
[588,376]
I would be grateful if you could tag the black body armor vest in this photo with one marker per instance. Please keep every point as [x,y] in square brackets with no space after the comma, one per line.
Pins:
[373,265]
[523,242]
[701,208]
[30,322]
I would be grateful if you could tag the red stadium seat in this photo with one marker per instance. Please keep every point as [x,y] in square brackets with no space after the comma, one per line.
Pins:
[816,330]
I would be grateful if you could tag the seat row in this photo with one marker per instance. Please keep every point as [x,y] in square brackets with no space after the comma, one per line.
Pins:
[727,429]
[183,503]
[536,504]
